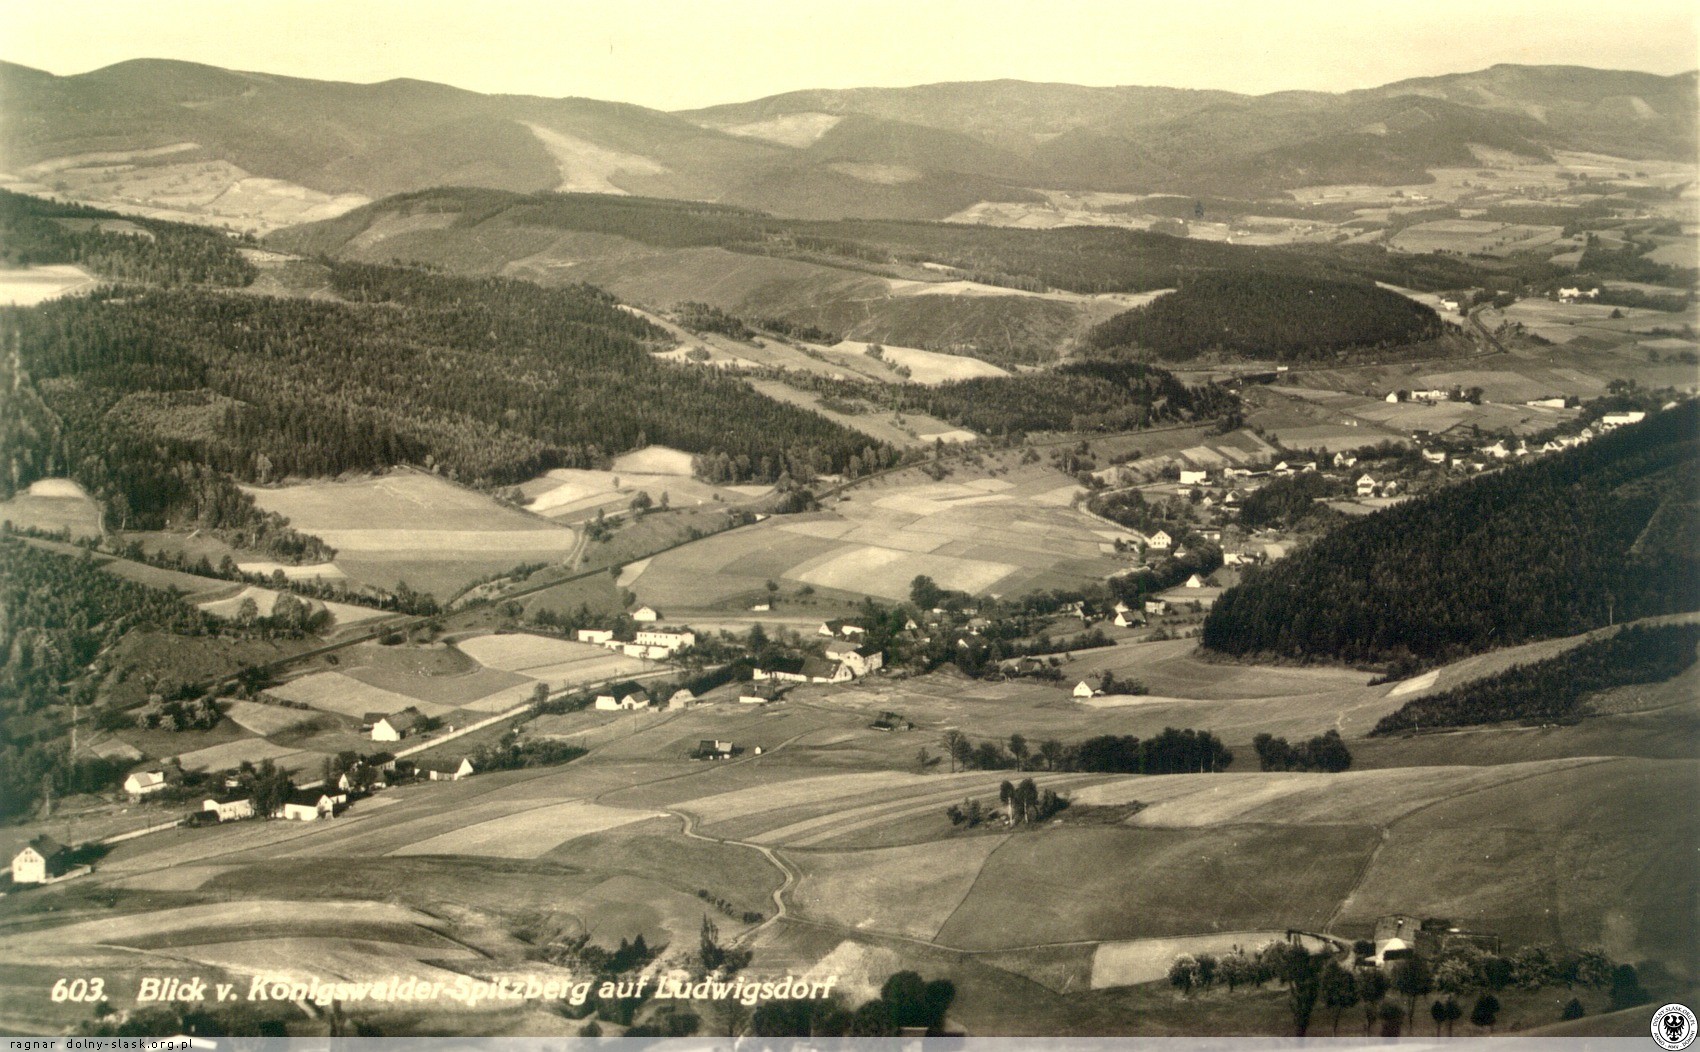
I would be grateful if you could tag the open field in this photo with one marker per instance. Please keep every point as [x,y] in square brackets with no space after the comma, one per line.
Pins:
[905,890]
[53,504]
[528,834]
[347,696]
[558,662]
[576,493]
[32,285]
[413,527]
[1238,878]
[253,750]
[265,720]
[905,430]
[1006,533]
[265,600]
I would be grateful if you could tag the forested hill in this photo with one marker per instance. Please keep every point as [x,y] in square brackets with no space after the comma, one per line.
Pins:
[35,232]
[1599,534]
[1268,315]
[150,398]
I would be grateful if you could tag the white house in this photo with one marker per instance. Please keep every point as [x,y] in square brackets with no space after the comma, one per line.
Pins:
[1084,689]
[668,641]
[1611,420]
[1195,581]
[1160,541]
[1571,295]
[144,783]
[753,699]
[646,614]
[229,808]
[682,699]
[599,636]
[1128,619]
[448,771]
[1344,460]
[1546,403]
[841,628]
[622,696]
[40,861]
[1194,478]
[309,805]
[398,725]
[860,660]
[1156,606]
[1435,456]
[1366,486]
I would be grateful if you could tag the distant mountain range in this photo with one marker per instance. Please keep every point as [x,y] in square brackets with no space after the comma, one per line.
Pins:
[922,152]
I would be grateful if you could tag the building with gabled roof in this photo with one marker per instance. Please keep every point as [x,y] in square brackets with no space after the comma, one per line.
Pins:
[145,783]
[398,725]
[448,770]
[40,861]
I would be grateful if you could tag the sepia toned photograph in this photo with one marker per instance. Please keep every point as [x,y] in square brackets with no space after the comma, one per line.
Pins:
[761,522]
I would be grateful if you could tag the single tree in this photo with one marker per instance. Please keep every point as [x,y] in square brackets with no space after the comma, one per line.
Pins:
[1484,1013]
[1372,988]
[1392,1019]
[1339,990]
[1412,978]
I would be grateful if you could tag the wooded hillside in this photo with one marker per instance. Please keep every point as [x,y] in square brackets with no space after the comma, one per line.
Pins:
[1574,541]
[1268,315]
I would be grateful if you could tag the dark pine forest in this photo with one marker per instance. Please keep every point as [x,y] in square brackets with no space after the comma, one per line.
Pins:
[1579,540]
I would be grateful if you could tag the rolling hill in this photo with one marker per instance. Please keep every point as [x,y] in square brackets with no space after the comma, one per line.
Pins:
[180,136]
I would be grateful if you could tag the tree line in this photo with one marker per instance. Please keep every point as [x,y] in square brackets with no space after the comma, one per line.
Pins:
[1556,688]
[1554,547]
[1174,751]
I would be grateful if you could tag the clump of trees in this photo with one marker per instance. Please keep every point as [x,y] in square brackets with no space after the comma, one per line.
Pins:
[1325,752]
[1171,752]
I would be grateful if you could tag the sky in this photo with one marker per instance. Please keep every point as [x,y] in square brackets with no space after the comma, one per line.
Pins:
[678,54]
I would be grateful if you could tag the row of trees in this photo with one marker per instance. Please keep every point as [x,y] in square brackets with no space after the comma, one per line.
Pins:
[1570,542]
[1171,752]
[1554,689]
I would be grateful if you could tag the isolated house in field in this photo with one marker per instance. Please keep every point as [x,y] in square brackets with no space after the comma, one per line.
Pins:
[229,808]
[448,770]
[309,805]
[41,860]
[1084,689]
[622,696]
[646,615]
[1366,486]
[599,636]
[144,783]
[398,725]
[681,699]
[713,749]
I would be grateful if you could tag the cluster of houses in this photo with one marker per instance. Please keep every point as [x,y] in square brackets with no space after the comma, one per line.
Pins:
[845,658]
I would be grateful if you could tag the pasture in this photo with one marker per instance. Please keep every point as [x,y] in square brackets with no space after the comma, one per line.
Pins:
[29,286]
[265,601]
[905,430]
[527,834]
[1006,533]
[53,505]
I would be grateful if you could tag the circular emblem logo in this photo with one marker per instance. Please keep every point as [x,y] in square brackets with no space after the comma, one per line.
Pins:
[1673,1027]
